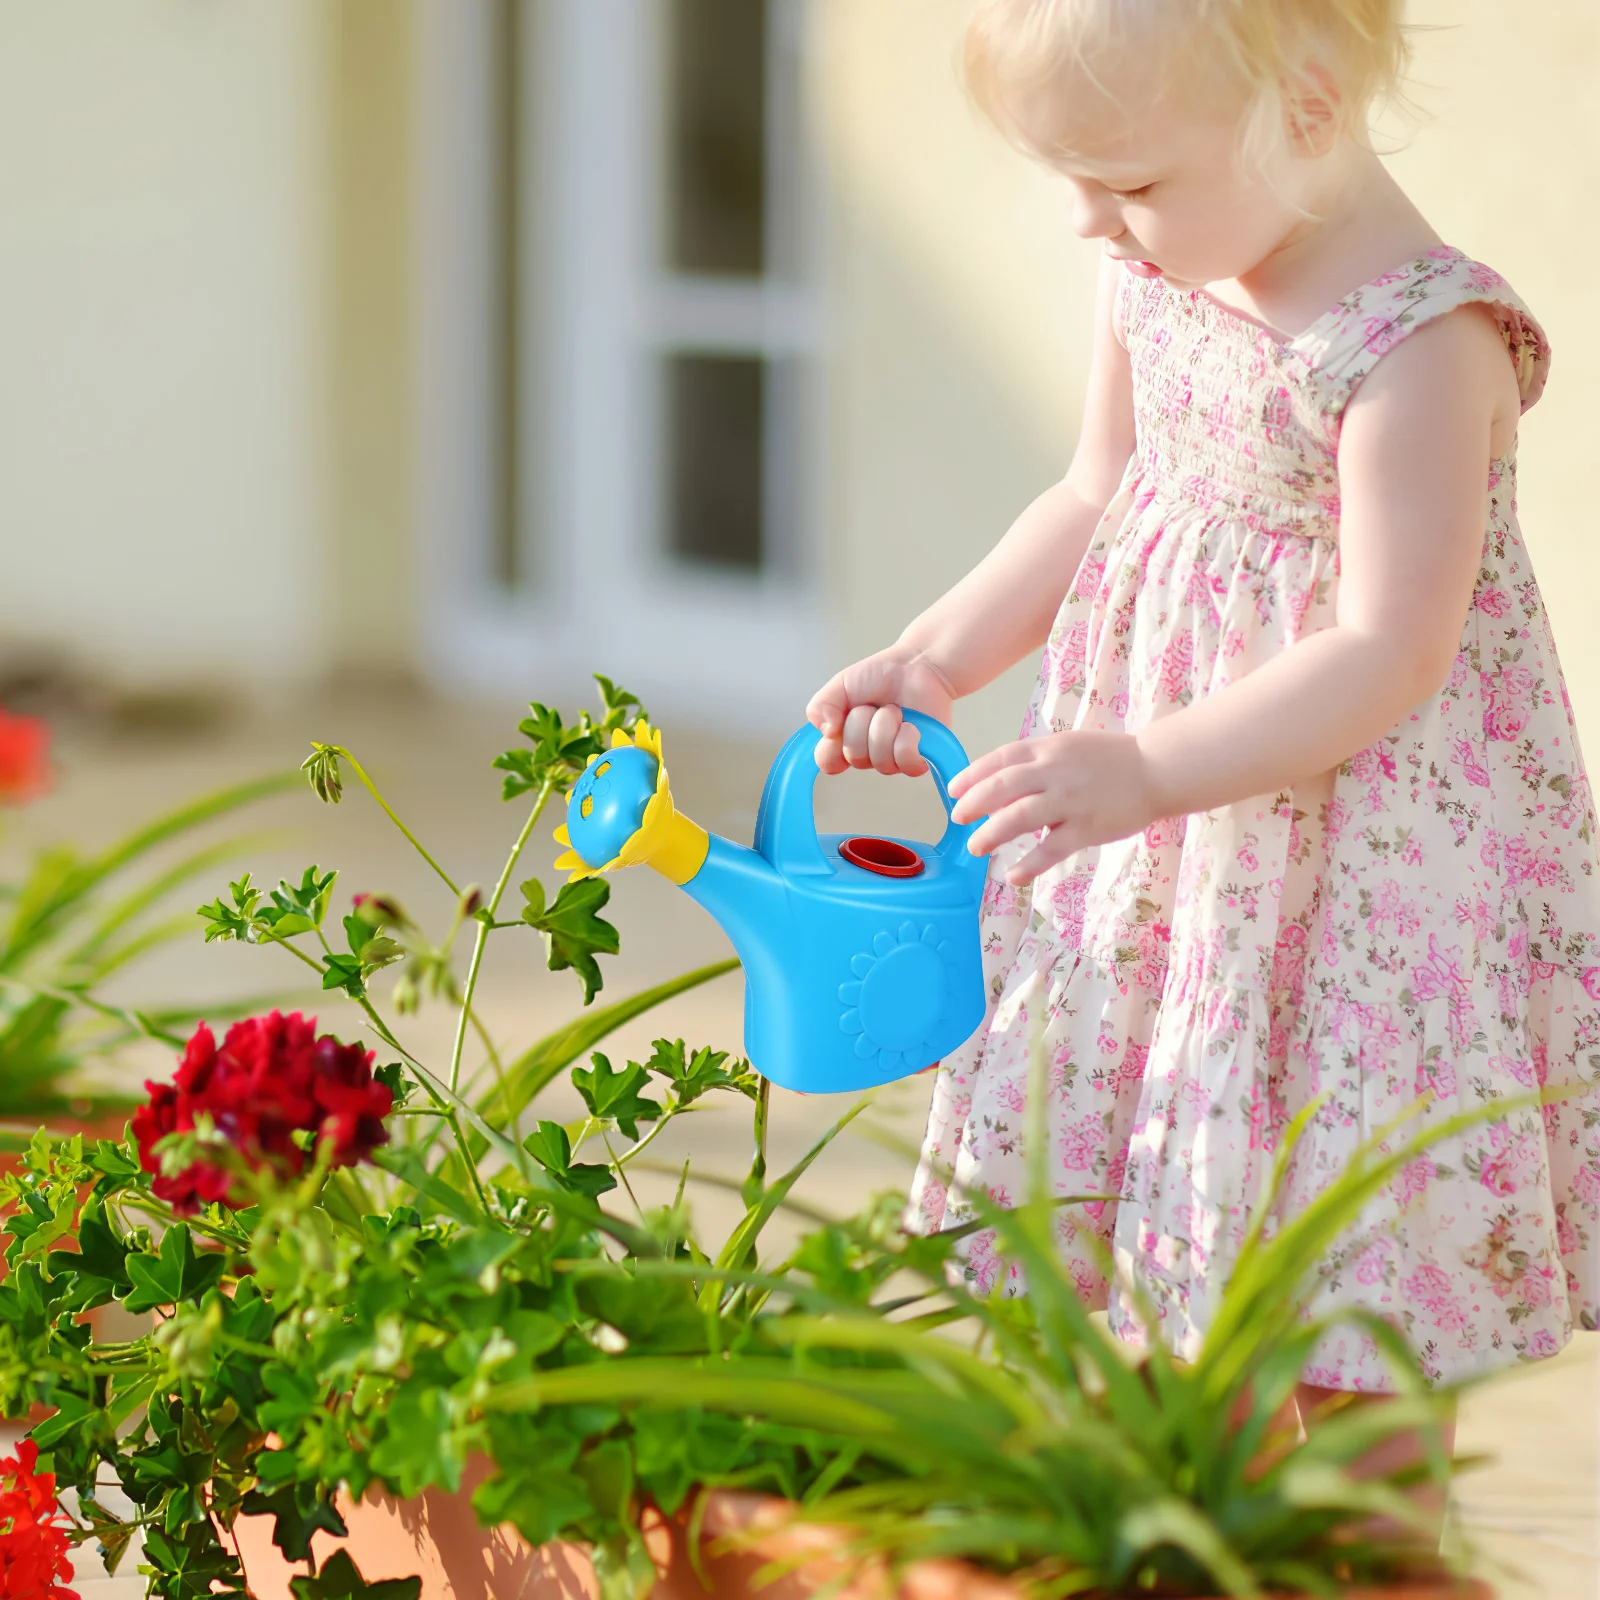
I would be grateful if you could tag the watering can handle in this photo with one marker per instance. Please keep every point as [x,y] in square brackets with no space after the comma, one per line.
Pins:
[786,825]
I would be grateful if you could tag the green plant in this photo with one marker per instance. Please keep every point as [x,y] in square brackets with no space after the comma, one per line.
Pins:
[72,923]
[1036,1444]
[366,1314]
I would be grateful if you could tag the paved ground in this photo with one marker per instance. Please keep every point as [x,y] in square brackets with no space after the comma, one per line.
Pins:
[1533,1508]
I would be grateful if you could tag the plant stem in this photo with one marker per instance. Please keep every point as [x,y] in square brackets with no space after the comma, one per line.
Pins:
[372,789]
[297,953]
[546,789]
[616,1167]
[756,1184]
[628,1155]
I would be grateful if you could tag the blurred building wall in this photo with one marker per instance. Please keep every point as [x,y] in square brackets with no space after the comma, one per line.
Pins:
[210,302]
[163,335]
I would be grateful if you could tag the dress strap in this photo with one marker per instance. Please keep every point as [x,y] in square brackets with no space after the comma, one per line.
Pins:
[1368,324]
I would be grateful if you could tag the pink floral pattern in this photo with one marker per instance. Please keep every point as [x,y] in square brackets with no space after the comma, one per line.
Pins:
[1425,917]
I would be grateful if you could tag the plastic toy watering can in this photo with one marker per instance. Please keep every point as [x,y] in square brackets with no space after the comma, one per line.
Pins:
[861,954]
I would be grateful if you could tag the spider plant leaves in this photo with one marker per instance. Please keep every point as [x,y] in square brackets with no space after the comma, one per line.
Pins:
[544,1061]
[61,883]
[741,1242]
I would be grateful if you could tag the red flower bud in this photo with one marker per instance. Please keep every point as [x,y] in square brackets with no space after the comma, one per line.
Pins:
[272,1078]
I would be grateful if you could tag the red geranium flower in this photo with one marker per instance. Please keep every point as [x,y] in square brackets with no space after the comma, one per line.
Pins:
[272,1078]
[24,758]
[34,1547]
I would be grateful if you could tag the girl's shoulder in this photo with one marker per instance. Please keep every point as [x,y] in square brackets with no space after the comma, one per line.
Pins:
[1343,346]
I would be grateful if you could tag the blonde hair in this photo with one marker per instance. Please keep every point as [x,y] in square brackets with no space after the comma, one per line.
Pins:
[1021,57]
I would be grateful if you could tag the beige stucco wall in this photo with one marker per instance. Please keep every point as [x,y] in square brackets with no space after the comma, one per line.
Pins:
[961,299]
[163,477]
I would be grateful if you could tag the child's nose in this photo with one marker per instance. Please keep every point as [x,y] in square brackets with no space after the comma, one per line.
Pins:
[1095,214]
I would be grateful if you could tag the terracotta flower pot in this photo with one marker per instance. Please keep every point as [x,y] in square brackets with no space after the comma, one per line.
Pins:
[438,1537]
[435,1536]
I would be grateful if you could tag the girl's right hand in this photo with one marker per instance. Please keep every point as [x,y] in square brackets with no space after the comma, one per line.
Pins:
[858,712]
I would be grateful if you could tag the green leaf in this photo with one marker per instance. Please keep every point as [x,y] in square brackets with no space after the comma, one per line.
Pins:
[344,972]
[549,1145]
[419,1447]
[542,1063]
[615,1095]
[298,1512]
[406,1165]
[111,1532]
[340,1579]
[100,1253]
[693,1076]
[573,933]
[307,899]
[541,1498]
[560,752]
[52,897]
[236,921]
[175,1274]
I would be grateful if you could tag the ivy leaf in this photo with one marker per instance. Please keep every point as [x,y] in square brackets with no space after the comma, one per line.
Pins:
[100,1253]
[236,921]
[609,1093]
[541,1498]
[419,1446]
[344,972]
[562,750]
[298,1512]
[304,902]
[190,1561]
[694,1075]
[622,709]
[573,933]
[340,1579]
[549,1145]
[175,1274]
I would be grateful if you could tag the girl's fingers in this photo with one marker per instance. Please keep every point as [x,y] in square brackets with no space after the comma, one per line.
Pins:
[830,756]
[907,752]
[998,790]
[1052,850]
[1020,753]
[882,733]
[1027,815]
[857,724]
[827,708]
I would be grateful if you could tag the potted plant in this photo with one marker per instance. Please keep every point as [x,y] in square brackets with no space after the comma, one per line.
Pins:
[381,1278]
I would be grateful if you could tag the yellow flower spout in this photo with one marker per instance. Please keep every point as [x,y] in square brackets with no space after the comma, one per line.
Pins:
[620,814]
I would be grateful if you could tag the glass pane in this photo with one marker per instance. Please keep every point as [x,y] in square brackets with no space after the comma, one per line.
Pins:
[716,145]
[715,426]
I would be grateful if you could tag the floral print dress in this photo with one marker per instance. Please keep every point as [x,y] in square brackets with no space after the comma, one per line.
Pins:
[1425,917]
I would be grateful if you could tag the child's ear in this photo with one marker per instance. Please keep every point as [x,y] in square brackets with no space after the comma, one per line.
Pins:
[1313,111]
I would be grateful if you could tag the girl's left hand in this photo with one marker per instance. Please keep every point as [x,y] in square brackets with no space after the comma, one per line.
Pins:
[1085,787]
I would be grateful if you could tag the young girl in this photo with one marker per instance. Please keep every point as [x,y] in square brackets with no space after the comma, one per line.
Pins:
[1298,807]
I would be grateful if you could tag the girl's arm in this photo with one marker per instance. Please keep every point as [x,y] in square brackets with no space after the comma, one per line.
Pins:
[1002,610]
[1414,456]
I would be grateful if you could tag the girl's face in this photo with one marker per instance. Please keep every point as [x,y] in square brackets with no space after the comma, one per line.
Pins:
[1166,190]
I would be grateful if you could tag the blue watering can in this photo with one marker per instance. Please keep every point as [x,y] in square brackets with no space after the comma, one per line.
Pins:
[861,955]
